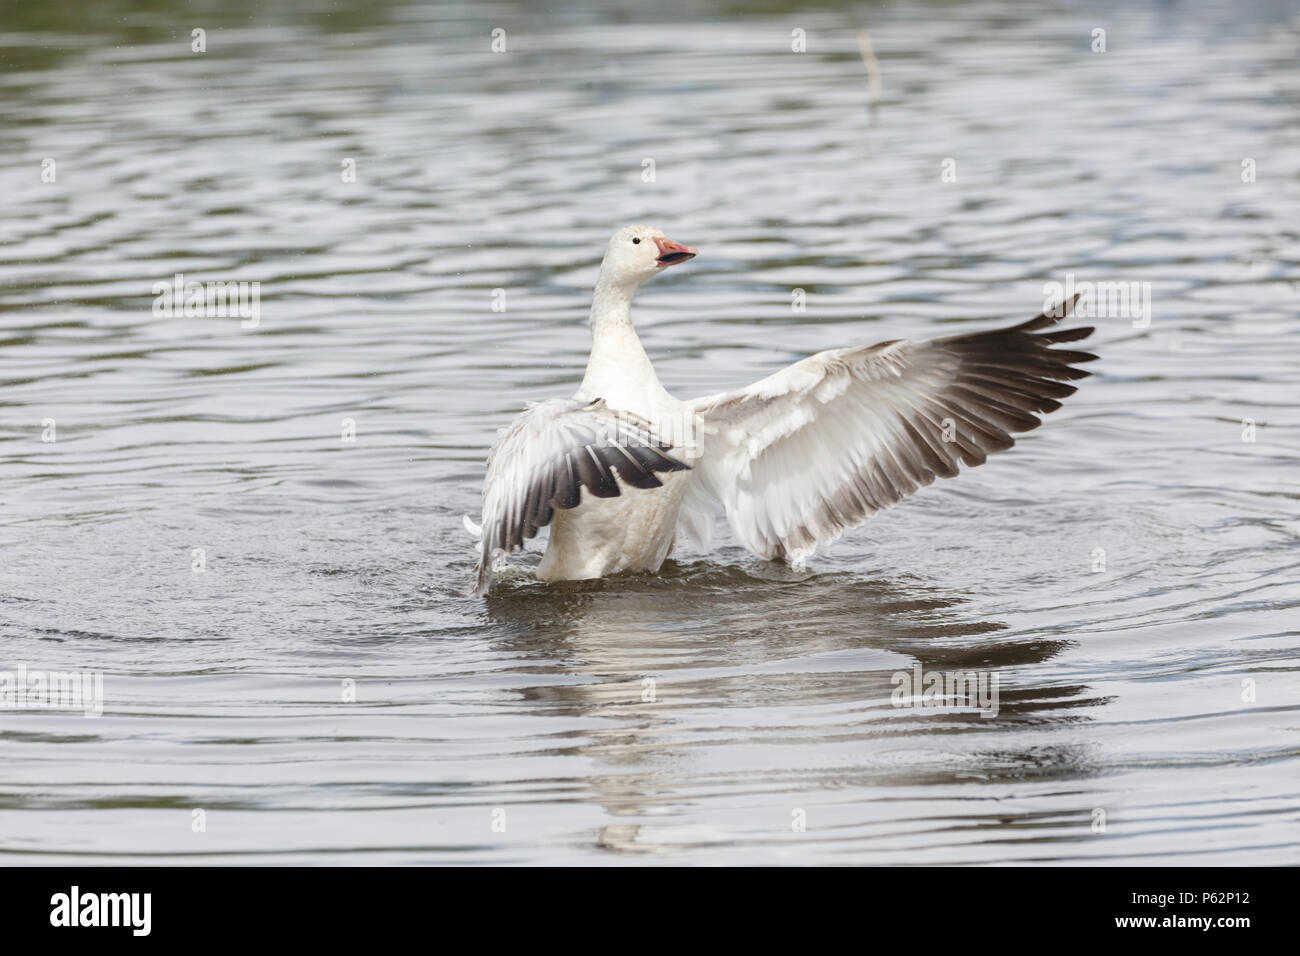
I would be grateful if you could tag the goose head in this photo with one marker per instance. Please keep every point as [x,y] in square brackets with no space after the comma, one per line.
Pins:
[636,253]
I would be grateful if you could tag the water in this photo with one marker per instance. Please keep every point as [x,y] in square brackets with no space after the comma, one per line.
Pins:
[1129,572]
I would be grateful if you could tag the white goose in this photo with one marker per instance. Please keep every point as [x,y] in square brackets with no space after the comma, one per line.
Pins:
[793,460]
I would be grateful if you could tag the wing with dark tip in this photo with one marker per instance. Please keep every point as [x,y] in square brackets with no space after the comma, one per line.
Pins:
[544,460]
[798,458]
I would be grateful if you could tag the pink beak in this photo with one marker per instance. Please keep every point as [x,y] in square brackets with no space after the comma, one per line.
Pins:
[671,253]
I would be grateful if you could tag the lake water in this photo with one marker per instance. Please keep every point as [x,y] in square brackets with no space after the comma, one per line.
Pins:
[1130,572]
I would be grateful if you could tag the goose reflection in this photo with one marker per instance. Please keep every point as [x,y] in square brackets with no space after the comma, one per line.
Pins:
[686,669]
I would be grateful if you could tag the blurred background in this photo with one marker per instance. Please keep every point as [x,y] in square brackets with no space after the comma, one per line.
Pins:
[1130,571]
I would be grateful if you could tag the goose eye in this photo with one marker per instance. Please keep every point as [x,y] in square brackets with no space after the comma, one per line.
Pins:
[636,241]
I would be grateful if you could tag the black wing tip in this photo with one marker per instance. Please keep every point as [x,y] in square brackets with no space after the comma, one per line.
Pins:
[1040,345]
[1008,379]
[1062,336]
[1050,316]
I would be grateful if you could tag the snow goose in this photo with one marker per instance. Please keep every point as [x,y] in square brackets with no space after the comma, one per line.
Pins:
[793,461]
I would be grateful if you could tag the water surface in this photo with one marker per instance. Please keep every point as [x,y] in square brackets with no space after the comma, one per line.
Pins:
[1130,571]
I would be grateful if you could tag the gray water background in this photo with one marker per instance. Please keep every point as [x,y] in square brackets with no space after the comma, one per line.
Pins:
[1129,571]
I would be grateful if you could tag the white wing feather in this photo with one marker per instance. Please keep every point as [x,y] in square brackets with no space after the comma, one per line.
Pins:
[801,456]
[545,459]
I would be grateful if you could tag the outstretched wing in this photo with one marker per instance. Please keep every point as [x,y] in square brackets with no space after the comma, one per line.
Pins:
[544,460]
[813,450]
